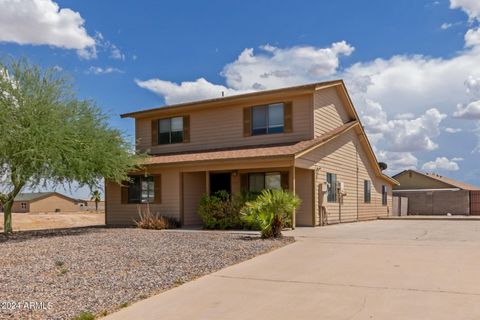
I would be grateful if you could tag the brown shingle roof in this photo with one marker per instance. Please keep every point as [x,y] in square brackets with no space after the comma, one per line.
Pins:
[449,181]
[265,151]
[309,86]
[455,183]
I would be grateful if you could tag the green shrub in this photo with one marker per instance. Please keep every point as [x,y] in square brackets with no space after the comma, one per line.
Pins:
[271,211]
[220,210]
[149,220]
[84,316]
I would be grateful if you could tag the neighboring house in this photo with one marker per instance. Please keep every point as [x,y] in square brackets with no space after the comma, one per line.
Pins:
[307,139]
[433,194]
[44,202]
[89,205]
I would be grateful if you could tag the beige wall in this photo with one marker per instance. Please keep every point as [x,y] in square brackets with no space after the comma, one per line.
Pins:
[329,112]
[303,189]
[223,127]
[125,214]
[194,186]
[343,156]
[437,202]
[412,180]
[52,203]
[17,206]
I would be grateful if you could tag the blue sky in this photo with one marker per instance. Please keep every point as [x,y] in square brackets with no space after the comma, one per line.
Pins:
[411,66]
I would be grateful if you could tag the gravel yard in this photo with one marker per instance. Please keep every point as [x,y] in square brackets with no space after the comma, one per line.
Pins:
[100,270]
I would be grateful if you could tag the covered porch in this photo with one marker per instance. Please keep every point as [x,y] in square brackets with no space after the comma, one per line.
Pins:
[237,176]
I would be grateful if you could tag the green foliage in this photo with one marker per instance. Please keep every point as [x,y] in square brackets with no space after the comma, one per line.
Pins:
[51,136]
[271,211]
[97,197]
[222,211]
[84,316]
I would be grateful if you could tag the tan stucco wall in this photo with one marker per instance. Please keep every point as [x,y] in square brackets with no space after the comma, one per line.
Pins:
[303,189]
[17,206]
[223,127]
[437,202]
[52,203]
[343,156]
[194,186]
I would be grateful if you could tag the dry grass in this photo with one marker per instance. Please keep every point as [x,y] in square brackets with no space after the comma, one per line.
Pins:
[149,220]
[54,220]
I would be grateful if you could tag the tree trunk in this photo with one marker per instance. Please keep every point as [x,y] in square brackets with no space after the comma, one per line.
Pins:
[7,217]
[96,205]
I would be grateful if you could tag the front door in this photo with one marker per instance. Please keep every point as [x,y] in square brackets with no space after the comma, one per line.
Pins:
[220,181]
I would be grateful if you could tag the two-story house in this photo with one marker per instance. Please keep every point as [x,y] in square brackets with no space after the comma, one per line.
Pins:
[307,139]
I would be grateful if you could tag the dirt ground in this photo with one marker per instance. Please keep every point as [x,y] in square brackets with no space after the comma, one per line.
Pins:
[53,220]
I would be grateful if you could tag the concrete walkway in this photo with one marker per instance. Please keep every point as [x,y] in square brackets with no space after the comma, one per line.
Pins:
[367,270]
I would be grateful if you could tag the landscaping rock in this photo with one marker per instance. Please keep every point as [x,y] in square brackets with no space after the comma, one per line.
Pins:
[60,274]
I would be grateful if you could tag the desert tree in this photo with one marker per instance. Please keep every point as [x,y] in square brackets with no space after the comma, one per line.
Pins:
[97,197]
[48,136]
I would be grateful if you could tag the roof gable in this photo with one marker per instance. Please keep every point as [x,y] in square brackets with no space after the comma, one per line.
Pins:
[411,179]
[35,196]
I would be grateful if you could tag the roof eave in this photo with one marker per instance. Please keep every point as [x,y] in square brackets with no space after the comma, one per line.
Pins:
[199,103]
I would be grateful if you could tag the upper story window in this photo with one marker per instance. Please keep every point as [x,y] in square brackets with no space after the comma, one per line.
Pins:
[331,187]
[384,195]
[170,130]
[367,190]
[267,119]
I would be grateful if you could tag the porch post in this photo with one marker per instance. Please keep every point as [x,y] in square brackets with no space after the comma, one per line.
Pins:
[207,182]
[291,184]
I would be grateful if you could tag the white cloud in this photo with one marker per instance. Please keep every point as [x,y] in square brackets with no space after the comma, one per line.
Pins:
[473,85]
[452,130]
[185,91]
[415,134]
[445,26]
[472,38]
[457,159]
[100,70]
[404,116]
[470,111]
[471,7]
[276,67]
[441,163]
[116,53]
[397,161]
[42,22]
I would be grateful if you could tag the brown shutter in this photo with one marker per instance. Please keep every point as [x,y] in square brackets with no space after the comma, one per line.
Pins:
[186,129]
[244,182]
[287,117]
[284,178]
[247,122]
[124,192]
[154,132]
[157,181]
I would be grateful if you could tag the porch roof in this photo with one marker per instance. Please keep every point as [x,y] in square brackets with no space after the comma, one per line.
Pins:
[250,152]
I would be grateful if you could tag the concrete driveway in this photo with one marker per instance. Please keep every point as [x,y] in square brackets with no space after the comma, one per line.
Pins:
[367,270]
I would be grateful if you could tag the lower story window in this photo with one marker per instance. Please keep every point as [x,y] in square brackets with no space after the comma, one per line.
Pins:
[264,180]
[331,187]
[141,189]
[367,189]
[23,205]
[384,195]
